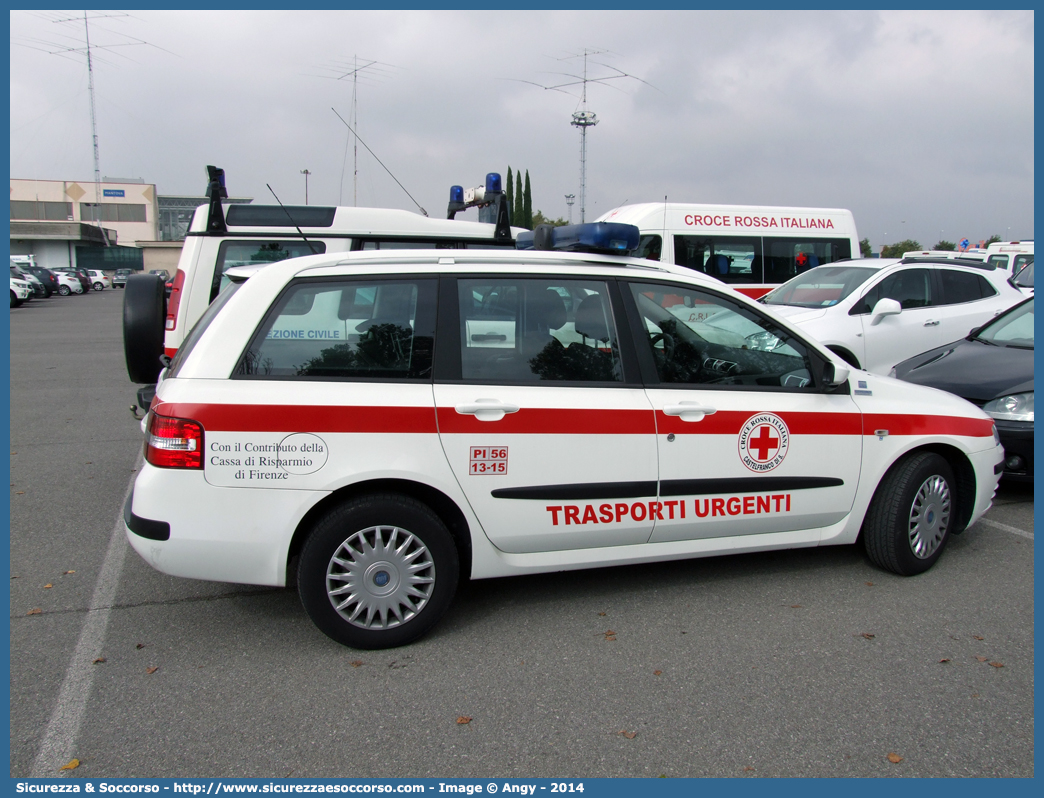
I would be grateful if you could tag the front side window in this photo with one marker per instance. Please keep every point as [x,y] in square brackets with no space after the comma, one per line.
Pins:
[243,253]
[911,288]
[699,338]
[347,329]
[521,330]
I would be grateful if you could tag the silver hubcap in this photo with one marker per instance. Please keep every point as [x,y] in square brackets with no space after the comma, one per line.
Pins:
[380,577]
[929,517]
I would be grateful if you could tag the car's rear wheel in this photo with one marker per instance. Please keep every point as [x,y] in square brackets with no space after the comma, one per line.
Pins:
[911,514]
[64,290]
[98,286]
[377,571]
[144,310]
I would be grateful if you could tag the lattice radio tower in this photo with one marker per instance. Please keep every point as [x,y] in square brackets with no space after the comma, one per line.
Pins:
[582,118]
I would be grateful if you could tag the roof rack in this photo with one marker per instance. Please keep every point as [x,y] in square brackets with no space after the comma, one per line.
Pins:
[972,262]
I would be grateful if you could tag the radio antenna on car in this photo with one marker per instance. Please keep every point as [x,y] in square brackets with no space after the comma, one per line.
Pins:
[386,169]
[311,246]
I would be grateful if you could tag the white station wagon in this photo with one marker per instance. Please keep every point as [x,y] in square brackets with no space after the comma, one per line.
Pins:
[379,423]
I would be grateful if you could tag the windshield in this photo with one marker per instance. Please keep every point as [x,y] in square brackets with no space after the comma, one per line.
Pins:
[820,287]
[1024,279]
[1014,328]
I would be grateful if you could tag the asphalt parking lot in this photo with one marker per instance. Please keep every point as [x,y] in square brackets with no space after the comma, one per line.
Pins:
[799,663]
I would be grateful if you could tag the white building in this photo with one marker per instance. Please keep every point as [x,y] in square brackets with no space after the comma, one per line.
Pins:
[69,223]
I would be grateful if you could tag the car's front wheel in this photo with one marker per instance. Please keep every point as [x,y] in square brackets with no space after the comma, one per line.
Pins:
[911,515]
[15,301]
[377,571]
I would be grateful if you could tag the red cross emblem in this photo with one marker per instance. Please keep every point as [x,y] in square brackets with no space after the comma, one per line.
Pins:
[764,444]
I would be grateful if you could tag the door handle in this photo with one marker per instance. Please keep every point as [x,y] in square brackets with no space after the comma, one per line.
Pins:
[486,409]
[689,411]
[932,323]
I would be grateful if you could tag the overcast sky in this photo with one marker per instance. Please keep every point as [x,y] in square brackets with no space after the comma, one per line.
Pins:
[920,123]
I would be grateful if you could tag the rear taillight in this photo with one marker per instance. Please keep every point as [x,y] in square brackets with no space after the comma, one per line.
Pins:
[174,300]
[174,442]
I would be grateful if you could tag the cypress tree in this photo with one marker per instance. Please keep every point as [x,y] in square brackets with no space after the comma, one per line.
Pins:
[517,218]
[510,198]
[527,206]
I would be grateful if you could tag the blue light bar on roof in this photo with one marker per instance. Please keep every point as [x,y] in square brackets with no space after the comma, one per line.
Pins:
[605,237]
[456,193]
[493,183]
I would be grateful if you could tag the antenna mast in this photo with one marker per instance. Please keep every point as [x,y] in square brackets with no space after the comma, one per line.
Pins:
[583,119]
[94,132]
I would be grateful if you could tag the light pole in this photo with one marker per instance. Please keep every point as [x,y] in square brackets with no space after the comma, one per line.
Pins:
[569,201]
[305,172]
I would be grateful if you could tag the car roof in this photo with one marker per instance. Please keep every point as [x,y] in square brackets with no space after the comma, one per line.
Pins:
[501,260]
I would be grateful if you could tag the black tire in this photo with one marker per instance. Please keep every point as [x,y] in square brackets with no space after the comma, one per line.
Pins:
[396,520]
[144,311]
[64,290]
[15,301]
[912,514]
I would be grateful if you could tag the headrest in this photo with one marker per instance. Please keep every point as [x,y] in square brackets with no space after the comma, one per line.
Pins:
[590,319]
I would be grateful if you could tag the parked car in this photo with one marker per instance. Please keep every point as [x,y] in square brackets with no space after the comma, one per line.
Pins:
[991,368]
[80,275]
[1023,279]
[119,280]
[875,312]
[383,423]
[20,292]
[38,288]
[99,280]
[47,277]
[68,283]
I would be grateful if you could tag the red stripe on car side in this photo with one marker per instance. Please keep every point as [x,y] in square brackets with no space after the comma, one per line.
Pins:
[729,422]
[902,424]
[550,421]
[304,418]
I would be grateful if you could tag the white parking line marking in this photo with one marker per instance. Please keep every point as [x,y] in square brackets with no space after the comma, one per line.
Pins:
[1006,528]
[63,729]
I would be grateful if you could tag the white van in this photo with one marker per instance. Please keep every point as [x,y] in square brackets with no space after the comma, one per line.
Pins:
[753,248]
[1011,256]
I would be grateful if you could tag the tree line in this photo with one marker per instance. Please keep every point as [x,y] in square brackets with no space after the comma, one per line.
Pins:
[909,245]
[520,203]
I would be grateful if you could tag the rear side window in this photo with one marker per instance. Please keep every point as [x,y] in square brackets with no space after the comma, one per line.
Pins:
[517,330]
[998,261]
[346,329]
[243,253]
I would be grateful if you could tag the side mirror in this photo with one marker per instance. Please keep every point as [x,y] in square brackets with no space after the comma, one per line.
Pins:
[834,374]
[884,307]
[975,331]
